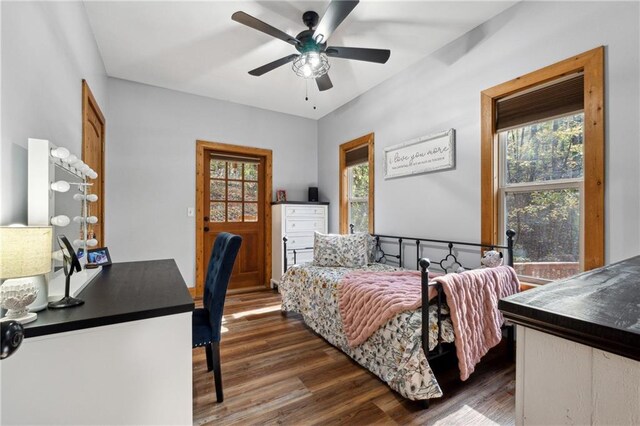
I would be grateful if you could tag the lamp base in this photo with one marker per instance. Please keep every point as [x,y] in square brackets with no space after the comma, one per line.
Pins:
[66,302]
[25,319]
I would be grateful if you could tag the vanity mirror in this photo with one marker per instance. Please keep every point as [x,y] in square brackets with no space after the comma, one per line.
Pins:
[60,195]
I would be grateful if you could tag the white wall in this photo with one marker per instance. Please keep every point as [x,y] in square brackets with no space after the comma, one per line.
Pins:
[443,91]
[150,179]
[47,49]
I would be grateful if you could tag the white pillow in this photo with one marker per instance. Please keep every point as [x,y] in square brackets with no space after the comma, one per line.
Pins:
[349,251]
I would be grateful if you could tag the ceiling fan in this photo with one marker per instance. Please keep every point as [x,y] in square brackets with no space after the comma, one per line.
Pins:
[312,59]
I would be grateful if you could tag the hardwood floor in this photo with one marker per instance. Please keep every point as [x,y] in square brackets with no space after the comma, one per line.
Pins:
[275,370]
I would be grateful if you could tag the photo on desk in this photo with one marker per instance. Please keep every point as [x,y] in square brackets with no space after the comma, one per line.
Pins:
[98,256]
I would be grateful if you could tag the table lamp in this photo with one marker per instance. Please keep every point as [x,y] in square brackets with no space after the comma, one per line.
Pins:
[25,253]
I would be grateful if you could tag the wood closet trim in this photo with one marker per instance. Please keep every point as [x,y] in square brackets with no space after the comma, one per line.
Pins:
[89,102]
[592,64]
[267,154]
[343,181]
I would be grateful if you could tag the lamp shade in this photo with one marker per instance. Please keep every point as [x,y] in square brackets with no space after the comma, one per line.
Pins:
[25,251]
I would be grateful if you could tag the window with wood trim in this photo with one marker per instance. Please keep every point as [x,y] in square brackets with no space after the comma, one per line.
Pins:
[356,185]
[543,168]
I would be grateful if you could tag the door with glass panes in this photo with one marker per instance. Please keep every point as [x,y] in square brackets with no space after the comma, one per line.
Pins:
[234,200]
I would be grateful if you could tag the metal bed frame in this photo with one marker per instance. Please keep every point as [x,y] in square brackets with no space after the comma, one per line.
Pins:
[422,264]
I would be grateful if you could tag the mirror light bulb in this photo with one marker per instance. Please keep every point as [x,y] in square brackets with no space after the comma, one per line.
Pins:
[92,242]
[60,220]
[70,159]
[92,198]
[90,219]
[60,186]
[77,243]
[60,152]
[91,174]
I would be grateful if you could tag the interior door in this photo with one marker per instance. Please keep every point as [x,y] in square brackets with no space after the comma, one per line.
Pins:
[234,202]
[93,136]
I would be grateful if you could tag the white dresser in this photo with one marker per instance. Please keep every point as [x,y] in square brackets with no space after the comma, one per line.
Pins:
[297,222]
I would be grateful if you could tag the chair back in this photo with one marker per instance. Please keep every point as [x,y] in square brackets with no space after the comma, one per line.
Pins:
[223,256]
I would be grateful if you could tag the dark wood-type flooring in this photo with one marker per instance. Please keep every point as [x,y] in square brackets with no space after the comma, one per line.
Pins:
[275,370]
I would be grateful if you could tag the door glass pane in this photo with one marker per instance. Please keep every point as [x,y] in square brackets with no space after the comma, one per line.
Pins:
[235,170]
[217,213]
[547,225]
[250,212]
[250,171]
[234,191]
[545,151]
[217,190]
[359,215]
[251,191]
[234,214]
[217,169]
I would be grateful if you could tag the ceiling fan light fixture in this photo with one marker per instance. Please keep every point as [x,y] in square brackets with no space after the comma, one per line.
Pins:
[311,64]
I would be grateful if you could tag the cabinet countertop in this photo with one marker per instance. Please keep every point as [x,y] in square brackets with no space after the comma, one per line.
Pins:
[599,308]
[120,293]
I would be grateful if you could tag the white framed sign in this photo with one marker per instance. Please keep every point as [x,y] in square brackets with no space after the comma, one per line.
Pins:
[421,155]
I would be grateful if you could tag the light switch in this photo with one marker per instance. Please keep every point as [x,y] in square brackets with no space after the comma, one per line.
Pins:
[190,211]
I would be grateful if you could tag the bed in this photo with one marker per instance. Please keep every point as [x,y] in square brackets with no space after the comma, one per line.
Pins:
[399,351]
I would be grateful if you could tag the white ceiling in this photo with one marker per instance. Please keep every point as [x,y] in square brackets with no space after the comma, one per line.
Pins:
[195,47]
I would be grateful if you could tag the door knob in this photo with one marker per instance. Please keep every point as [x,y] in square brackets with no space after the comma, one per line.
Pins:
[206,229]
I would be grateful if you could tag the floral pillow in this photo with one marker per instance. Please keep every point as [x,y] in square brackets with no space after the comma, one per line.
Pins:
[349,251]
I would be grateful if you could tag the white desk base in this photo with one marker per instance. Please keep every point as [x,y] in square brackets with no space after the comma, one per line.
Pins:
[136,372]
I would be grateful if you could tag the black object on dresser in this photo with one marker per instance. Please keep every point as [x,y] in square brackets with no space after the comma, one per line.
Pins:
[599,308]
[313,193]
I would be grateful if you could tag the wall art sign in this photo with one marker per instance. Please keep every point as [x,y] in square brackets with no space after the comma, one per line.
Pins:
[421,155]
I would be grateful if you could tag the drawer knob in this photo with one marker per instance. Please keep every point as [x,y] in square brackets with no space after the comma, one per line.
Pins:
[293,225]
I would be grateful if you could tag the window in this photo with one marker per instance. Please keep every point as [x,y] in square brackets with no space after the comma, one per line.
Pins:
[542,171]
[540,192]
[358,206]
[356,185]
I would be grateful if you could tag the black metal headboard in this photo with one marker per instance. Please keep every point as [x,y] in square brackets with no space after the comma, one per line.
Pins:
[450,258]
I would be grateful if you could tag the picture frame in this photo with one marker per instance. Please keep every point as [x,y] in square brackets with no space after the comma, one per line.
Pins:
[424,154]
[98,257]
[281,195]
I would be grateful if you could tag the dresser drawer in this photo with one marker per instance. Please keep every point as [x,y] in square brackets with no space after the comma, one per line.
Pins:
[302,211]
[300,241]
[302,225]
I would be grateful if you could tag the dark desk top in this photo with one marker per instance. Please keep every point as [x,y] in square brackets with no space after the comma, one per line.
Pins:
[599,308]
[122,292]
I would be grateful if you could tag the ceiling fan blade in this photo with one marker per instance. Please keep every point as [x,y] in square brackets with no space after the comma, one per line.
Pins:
[257,24]
[324,82]
[272,65]
[337,11]
[359,54]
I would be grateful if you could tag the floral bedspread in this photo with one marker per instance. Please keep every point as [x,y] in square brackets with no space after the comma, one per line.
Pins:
[393,353]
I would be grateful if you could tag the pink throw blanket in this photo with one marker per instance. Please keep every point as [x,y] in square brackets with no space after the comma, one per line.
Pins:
[473,297]
[367,300]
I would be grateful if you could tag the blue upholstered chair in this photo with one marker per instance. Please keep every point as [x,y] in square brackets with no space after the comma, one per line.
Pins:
[207,321]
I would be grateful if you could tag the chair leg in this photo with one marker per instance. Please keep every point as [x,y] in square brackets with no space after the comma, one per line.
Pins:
[207,350]
[217,372]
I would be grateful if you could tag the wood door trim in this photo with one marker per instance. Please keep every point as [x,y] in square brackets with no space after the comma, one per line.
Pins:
[267,154]
[343,181]
[89,101]
[592,64]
